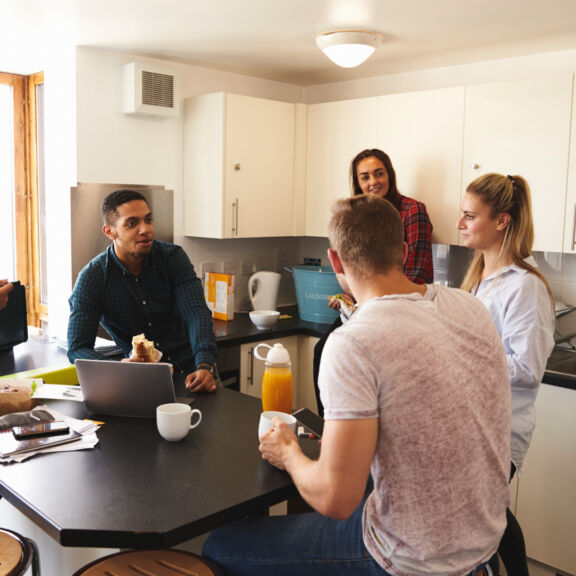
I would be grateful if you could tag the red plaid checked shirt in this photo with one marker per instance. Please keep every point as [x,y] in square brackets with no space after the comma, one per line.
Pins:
[418,235]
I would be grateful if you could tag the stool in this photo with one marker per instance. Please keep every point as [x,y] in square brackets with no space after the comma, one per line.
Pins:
[151,563]
[17,554]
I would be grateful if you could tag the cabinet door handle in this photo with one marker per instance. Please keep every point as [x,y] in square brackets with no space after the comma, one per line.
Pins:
[574,228]
[250,377]
[235,217]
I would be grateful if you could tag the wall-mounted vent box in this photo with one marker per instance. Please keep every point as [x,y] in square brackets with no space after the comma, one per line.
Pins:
[149,90]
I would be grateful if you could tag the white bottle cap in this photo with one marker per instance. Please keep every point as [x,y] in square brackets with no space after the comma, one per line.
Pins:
[278,355]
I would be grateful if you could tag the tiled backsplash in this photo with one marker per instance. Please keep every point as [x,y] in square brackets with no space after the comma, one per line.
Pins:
[245,256]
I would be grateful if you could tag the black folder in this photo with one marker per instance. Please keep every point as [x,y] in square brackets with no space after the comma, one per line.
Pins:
[14,319]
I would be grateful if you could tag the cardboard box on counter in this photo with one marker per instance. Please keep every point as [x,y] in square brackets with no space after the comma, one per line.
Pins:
[219,291]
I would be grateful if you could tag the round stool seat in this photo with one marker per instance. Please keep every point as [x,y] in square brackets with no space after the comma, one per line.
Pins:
[15,553]
[151,563]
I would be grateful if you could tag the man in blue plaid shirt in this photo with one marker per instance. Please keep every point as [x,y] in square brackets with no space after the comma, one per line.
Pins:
[141,285]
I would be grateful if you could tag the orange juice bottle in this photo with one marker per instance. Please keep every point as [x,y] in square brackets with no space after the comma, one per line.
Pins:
[277,386]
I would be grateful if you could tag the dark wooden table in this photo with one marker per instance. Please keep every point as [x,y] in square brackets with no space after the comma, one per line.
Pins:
[136,490]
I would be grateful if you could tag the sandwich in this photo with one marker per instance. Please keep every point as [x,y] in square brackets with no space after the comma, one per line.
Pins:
[345,303]
[143,348]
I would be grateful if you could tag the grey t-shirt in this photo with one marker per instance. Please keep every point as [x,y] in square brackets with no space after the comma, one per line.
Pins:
[432,369]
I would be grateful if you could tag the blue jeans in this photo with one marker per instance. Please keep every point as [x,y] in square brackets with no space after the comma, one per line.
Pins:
[297,544]
[294,545]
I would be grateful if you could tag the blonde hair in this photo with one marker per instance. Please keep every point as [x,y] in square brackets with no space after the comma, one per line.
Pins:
[506,195]
[368,234]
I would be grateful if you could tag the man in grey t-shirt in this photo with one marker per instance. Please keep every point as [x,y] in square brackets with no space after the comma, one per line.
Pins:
[415,391]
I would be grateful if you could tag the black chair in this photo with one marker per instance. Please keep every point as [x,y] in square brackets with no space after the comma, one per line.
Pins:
[17,554]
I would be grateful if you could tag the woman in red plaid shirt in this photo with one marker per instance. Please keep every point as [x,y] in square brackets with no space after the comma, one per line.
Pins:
[372,172]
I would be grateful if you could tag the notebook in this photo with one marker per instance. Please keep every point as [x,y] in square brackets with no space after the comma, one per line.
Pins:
[115,388]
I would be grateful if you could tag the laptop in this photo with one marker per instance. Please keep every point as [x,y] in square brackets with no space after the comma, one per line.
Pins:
[134,389]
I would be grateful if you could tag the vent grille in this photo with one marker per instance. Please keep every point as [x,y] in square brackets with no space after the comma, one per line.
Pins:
[149,90]
[157,89]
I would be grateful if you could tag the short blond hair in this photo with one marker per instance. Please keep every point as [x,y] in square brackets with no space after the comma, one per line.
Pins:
[368,234]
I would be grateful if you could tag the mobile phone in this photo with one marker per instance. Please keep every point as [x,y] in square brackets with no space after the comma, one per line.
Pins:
[40,429]
[310,420]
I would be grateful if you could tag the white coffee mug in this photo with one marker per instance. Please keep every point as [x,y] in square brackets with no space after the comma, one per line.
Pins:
[267,424]
[174,420]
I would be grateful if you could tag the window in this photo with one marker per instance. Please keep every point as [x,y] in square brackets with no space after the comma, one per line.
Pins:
[22,188]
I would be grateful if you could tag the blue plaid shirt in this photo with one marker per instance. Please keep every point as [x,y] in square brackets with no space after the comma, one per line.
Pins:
[165,302]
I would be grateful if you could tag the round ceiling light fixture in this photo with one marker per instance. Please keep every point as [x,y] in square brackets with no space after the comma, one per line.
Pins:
[348,48]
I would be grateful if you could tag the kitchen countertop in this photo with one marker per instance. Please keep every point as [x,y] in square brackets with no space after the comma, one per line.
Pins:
[561,368]
[241,330]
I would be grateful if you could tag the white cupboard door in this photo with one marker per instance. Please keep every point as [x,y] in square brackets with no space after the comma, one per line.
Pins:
[259,162]
[251,371]
[422,134]
[546,502]
[203,166]
[523,127]
[306,392]
[337,131]
[570,221]
[238,166]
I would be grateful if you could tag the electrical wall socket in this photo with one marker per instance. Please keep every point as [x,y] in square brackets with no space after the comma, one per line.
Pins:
[208,267]
[229,267]
[248,266]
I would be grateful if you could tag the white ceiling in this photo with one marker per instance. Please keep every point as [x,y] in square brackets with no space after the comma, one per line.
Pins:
[275,39]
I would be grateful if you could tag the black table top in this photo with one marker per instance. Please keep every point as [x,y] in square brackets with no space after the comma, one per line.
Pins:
[136,490]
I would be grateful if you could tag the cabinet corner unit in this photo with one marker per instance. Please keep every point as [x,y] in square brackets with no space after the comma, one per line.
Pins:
[238,166]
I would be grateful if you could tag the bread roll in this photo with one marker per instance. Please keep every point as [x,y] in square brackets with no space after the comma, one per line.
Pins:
[143,348]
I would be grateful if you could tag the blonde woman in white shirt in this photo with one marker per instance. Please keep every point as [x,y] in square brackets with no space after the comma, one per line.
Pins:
[496,221]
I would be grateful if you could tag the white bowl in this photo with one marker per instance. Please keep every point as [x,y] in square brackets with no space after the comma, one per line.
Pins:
[264,319]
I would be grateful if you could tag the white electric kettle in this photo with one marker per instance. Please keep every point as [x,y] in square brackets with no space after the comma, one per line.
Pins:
[263,290]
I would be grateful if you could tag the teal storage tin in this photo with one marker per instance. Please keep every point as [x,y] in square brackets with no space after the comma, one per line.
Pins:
[314,286]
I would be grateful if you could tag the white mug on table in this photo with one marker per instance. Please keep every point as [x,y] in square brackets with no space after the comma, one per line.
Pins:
[266,423]
[173,420]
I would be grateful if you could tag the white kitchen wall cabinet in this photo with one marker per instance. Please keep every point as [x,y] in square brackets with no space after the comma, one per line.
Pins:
[546,499]
[252,369]
[570,210]
[422,133]
[337,131]
[238,166]
[523,127]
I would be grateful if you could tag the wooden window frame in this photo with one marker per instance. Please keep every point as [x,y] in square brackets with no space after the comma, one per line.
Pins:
[39,310]
[26,220]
